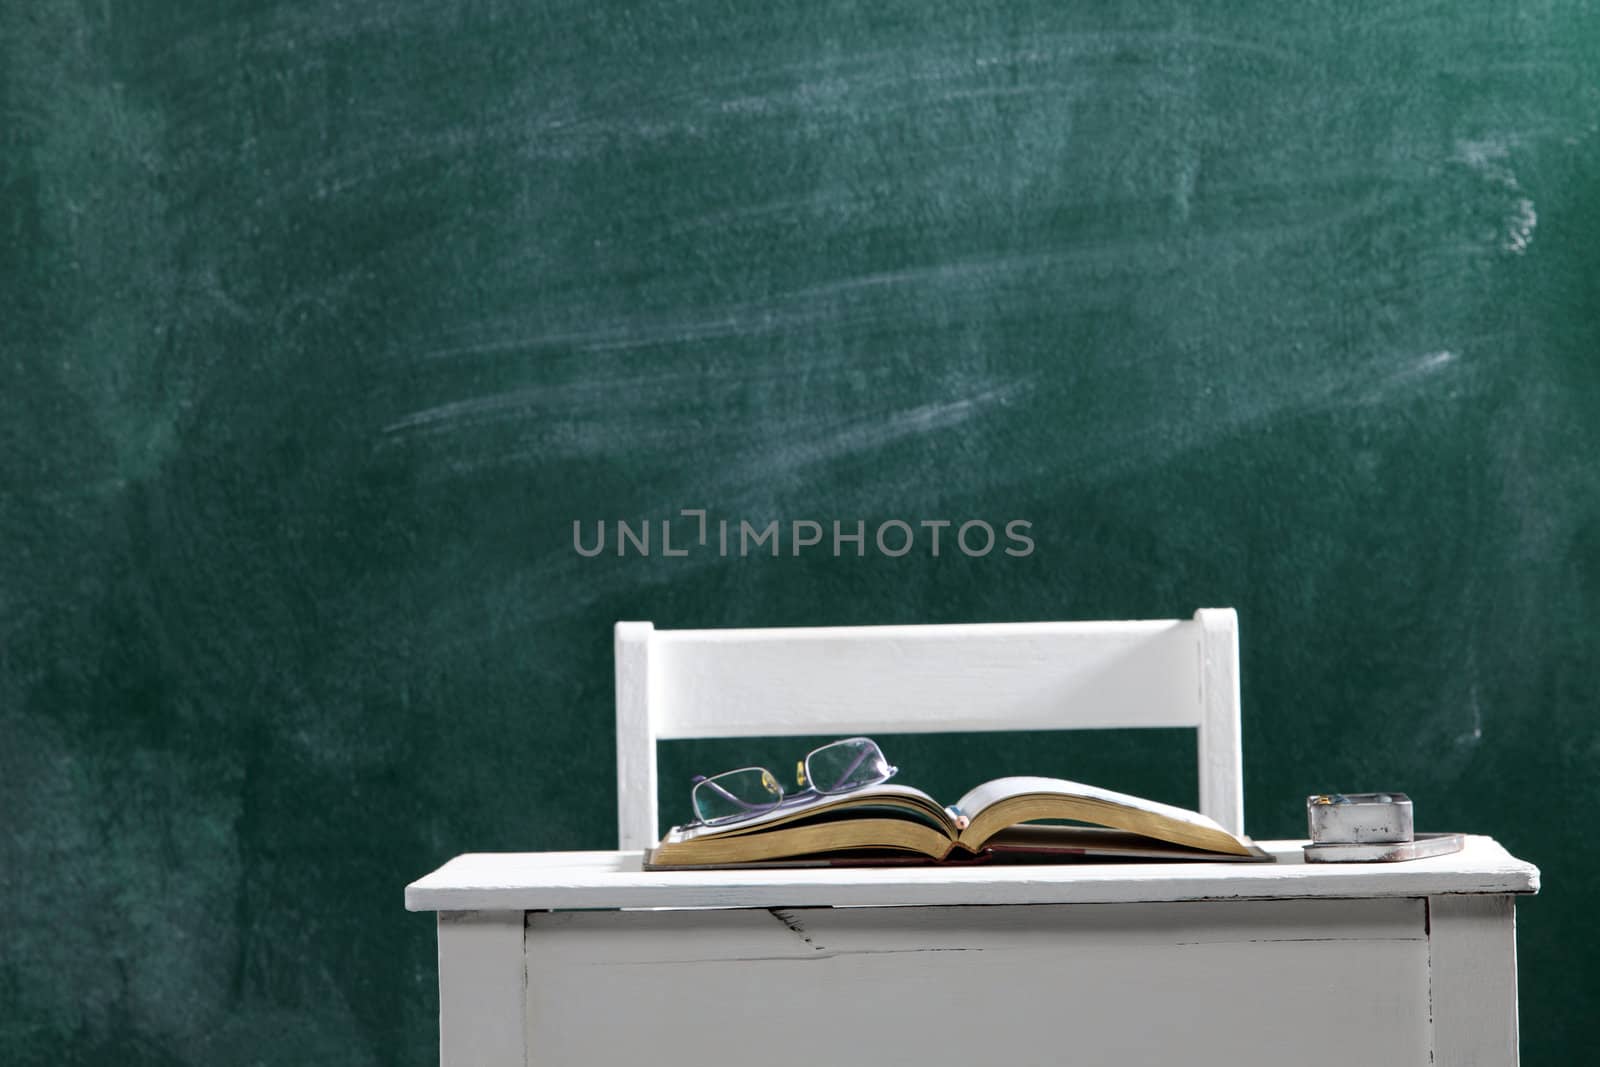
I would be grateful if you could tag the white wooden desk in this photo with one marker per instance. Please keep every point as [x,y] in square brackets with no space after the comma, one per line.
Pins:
[582,958]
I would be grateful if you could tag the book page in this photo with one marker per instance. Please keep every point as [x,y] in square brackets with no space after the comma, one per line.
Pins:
[993,806]
[973,803]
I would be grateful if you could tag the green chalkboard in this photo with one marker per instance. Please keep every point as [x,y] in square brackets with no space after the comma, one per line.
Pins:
[322,323]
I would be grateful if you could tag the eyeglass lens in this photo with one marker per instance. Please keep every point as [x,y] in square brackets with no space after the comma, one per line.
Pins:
[846,765]
[735,794]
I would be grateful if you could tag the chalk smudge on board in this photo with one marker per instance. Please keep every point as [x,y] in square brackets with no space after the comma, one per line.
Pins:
[1489,157]
[1474,735]
[1125,447]
[613,391]
[1520,226]
[866,434]
[1421,367]
[742,320]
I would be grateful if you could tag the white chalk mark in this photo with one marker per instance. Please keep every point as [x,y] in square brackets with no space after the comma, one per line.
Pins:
[1521,226]
[1377,390]
[602,394]
[864,435]
[959,272]
[1431,362]
[742,320]
[1120,447]
[1490,158]
[1487,155]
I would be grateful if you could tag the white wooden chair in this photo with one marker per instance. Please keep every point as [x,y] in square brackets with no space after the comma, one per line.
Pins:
[870,680]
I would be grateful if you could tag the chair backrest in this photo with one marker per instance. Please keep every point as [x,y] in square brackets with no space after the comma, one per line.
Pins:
[924,679]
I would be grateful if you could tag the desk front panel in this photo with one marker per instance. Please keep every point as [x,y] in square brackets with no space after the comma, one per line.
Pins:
[1309,982]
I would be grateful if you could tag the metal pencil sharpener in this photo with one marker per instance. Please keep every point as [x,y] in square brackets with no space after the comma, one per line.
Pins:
[1359,818]
[1369,828]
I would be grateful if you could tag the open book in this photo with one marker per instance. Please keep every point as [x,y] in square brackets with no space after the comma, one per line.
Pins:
[887,821]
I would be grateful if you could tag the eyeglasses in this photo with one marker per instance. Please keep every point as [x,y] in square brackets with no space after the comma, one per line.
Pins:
[837,767]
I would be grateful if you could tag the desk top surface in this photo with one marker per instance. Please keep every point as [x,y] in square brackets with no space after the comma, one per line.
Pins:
[539,881]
